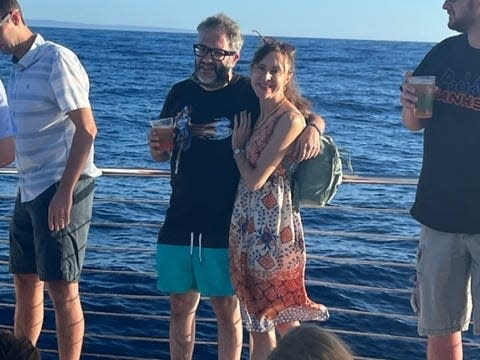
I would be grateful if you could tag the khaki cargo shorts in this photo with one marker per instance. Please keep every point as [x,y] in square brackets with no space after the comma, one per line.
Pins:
[448,277]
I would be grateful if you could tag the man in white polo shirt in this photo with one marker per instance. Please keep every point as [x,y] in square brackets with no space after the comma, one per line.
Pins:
[48,95]
[7,131]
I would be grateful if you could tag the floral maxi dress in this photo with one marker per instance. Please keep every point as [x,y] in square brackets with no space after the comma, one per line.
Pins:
[267,249]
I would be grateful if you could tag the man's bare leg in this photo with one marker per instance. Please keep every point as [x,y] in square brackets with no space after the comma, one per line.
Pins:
[28,306]
[69,318]
[182,324]
[445,347]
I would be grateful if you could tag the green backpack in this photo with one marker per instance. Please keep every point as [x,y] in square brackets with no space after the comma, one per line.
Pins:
[315,181]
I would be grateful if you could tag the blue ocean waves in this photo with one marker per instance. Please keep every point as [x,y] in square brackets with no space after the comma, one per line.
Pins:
[354,84]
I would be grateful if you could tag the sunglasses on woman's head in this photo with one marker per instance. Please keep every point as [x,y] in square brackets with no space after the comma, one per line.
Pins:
[289,48]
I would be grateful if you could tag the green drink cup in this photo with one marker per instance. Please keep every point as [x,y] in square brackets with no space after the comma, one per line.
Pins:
[425,91]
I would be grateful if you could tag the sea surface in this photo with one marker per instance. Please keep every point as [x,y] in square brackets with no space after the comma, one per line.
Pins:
[354,84]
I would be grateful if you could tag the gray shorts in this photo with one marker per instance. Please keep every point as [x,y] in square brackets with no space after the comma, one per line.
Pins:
[448,277]
[53,255]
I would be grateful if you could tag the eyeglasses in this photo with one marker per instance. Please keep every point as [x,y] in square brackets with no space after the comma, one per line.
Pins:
[217,54]
[288,48]
[6,18]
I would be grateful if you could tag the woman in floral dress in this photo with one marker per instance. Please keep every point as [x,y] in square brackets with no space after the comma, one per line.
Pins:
[267,249]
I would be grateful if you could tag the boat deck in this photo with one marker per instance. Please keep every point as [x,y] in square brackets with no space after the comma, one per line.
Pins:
[118,284]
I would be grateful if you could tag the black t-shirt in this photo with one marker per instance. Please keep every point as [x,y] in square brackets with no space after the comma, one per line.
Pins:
[204,174]
[448,193]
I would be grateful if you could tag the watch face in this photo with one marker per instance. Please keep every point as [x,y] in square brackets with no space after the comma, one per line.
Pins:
[236,151]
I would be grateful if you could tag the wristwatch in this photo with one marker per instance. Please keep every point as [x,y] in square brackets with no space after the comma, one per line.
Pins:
[237,151]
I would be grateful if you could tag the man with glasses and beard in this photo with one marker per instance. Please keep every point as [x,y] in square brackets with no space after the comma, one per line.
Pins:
[192,248]
[448,194]
[48,95]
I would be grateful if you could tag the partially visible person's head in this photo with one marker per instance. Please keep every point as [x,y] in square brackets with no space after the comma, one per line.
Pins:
[462,14]
[14,34]
[217,51]
[273,73]
[310,342]
[7,6]
[12,348]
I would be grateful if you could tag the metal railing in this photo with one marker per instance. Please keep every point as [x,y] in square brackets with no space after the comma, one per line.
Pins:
[150,275]
[347,178]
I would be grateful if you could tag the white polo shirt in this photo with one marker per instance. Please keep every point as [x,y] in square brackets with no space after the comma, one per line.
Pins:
[7,127]
[45,84]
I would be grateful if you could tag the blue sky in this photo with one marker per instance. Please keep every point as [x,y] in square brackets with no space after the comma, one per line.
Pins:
[412,20]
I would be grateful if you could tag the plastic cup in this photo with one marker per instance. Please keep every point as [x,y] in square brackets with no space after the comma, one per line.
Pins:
[162,123]
[163,128]
[425,91]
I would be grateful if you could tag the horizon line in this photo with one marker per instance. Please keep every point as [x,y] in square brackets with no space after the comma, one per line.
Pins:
[154,28]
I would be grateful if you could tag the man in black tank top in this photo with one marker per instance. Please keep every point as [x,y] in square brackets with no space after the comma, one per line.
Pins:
[448,194]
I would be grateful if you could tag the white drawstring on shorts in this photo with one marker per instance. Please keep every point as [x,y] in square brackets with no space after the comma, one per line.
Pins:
[200,247]
[191,243]
[192,239]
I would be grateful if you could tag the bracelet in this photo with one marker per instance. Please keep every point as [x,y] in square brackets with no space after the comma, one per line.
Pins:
[316,128]
[237,151]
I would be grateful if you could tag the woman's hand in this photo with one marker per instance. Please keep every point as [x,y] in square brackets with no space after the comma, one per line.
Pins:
[241,129]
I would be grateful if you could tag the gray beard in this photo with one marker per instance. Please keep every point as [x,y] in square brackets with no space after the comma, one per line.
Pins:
[221,78]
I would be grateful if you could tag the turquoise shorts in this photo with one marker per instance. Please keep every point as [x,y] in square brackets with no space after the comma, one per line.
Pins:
[181,269]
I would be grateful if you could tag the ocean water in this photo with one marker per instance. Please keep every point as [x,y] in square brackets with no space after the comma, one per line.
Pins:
[353,84]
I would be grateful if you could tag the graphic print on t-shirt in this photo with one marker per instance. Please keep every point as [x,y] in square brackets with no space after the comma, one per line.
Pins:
[464,92]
